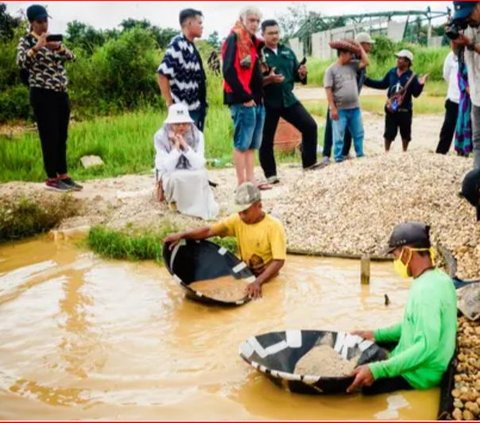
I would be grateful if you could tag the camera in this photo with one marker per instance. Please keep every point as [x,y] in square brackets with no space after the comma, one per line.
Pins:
[54,37]
[452,30]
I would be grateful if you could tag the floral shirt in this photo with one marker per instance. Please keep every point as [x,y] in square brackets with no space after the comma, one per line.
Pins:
[45,67]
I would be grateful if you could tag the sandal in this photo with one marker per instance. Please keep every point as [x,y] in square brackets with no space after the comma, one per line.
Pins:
[264,186]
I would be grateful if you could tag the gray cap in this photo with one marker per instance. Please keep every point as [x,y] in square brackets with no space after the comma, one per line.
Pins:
[413,234]
[407,54]
[245,195]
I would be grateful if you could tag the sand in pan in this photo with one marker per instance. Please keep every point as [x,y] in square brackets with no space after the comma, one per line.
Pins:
[224,288]
[324,361]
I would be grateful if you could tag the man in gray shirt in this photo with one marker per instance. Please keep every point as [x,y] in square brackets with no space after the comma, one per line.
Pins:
[340,83]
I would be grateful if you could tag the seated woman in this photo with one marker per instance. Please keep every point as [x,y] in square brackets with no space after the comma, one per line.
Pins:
[180,165]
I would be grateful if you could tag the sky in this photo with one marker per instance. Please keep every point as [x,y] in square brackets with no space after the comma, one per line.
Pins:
[218,15]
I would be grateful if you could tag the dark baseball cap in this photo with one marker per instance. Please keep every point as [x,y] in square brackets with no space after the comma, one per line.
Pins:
[412,234]
[37,12]
[462,9]
[471,189]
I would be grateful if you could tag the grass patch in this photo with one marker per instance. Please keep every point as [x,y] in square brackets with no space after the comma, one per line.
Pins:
[24,217]
[136,245]
[125,144]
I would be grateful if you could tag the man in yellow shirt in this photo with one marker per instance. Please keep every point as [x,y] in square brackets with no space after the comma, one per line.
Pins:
[261,237]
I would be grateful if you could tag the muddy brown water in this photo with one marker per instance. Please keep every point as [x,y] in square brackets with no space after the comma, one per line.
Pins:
[87,338]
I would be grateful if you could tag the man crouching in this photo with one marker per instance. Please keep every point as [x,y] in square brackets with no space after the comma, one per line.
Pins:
[260,237]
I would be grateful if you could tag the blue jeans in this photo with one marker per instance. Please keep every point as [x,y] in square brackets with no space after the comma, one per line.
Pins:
[351,119]
[248,126]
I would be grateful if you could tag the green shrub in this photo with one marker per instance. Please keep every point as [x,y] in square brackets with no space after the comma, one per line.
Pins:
[23,217]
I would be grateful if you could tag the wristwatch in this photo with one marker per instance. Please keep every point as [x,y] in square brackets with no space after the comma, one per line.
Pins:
[471,46]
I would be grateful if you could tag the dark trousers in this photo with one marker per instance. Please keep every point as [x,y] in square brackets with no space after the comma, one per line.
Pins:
[385,385]
[198,116]
[448,127]
[300,119]
[328,139]
[52,113]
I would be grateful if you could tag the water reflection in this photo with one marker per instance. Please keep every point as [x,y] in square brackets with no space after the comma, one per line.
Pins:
[84,338]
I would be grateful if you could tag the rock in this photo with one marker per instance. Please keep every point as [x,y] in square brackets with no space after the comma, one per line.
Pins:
[91,161]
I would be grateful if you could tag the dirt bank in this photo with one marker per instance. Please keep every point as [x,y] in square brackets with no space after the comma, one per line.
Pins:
[344,208]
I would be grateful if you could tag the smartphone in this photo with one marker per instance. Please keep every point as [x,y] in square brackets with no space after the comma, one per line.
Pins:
[54,37]
[304,60]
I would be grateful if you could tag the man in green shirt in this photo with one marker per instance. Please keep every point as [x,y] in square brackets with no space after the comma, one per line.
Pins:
[281,102]
[425,339]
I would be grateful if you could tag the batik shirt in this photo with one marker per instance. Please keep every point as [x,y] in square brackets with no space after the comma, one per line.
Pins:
[183,67]
[46,68]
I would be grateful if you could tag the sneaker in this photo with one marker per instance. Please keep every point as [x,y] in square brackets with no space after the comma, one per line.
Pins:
[273,179]
[57,185]
[72,184]
[325,161]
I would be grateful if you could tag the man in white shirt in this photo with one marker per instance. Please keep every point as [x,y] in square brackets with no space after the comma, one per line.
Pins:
[469,12]
[450,74]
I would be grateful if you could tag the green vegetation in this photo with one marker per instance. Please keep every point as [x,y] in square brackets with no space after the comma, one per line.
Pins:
[117,108]
[130,244]
[23,217]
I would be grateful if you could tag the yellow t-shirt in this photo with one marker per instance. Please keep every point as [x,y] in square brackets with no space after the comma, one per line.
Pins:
[263,241]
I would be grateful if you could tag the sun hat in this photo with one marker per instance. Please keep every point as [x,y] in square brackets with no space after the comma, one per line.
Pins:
[364,37]
[178,113]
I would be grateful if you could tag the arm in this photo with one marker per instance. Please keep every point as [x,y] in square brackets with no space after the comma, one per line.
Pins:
[196,158]
[378,84]
[331,103]
[65,53]
[164,86]
[272,78]
[222,229]
[26,54]
[165,161]
[388,334]
[364,62]
[447,68]
[426,340]
[417,85]
[229,71]
[254,290]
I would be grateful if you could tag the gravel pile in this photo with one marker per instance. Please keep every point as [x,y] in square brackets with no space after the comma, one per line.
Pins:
[466,394]
[350,208]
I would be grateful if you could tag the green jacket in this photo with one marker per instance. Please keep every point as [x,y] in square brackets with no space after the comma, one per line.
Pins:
[280,95]
[427,335]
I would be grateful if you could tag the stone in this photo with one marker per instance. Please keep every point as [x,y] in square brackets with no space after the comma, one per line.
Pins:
[91,161]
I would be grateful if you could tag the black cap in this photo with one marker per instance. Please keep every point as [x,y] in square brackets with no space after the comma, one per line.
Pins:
[36,12]
[413,234]
[471,189]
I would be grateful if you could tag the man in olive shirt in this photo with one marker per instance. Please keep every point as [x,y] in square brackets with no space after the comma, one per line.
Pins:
[425,339]
[281,102]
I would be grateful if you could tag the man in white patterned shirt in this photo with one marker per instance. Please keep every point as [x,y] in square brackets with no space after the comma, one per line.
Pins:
[181,76]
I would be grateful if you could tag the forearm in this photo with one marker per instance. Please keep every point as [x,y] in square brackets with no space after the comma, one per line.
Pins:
[271,270]
[164,86]
[330,99]
[197,234]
